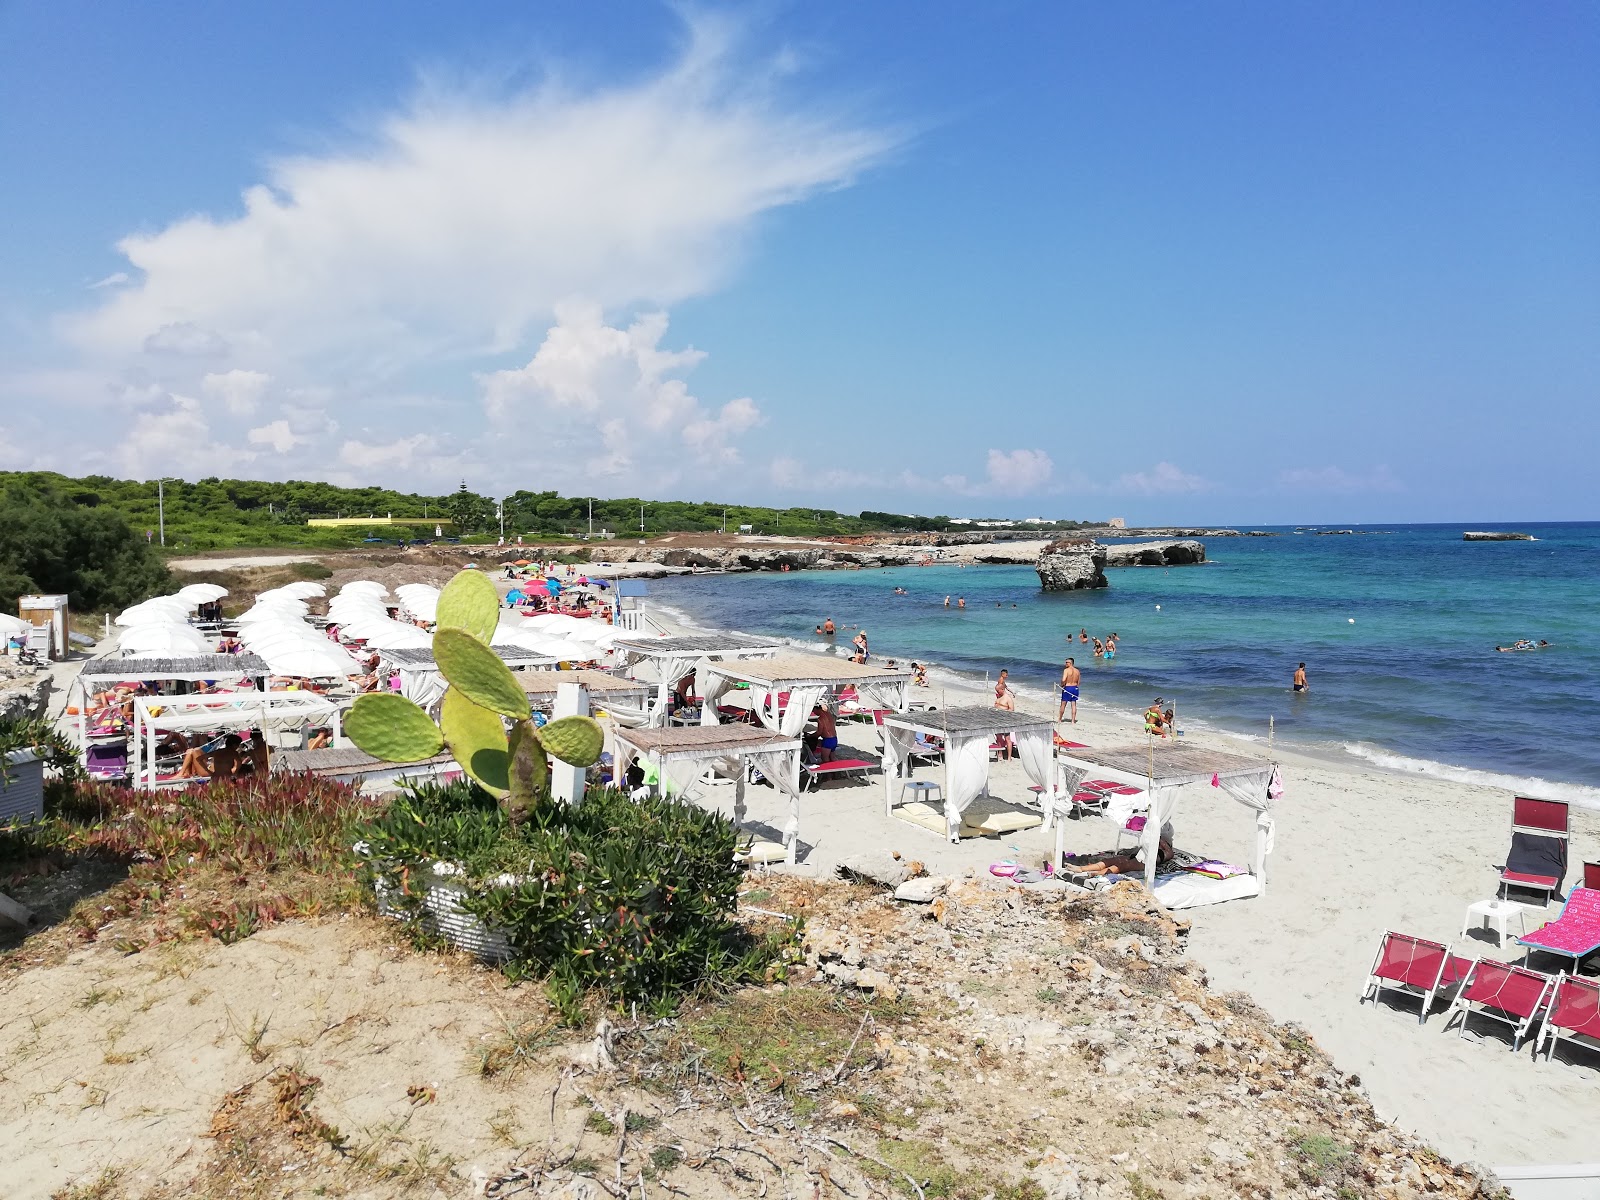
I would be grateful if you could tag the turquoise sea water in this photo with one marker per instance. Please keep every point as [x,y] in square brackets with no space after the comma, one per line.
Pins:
[1414,682]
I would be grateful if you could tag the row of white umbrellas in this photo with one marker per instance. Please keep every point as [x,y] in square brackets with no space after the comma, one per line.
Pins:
[160,625]
[360,612]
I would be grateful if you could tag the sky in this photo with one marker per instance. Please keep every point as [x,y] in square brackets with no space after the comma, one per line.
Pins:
[1180,263]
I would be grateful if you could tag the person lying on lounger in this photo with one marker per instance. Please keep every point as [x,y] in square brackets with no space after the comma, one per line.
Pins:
[1118,863]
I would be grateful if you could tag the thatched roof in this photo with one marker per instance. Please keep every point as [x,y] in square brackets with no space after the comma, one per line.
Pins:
[420,658]
[346,760]
[187,666]
[1172,762]
[800,670]
[972,719]
[704,740]
[705,643]
[545,683]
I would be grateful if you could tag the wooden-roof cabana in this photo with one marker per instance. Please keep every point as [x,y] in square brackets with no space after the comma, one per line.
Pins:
[671,658]
[350,765]
[420,658]
[681,754]
[598,683]
[807,679]
[967,733]
[1163,769]
[186,668]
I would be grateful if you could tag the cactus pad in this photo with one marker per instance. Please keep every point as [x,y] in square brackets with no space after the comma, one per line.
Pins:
[392,728]
[530,768]
[469,601]
[474,669]
[477,738]
[575,740]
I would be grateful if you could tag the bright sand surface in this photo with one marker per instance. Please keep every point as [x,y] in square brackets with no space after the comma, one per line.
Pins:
[1358,851]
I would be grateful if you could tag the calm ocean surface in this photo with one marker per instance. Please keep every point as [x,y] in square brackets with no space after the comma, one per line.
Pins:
[1414,683]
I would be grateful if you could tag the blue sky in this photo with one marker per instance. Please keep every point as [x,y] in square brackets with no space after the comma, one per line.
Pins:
[1180,263]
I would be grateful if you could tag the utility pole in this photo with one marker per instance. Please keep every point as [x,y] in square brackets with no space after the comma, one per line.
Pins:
[641,518]
[591,516]
[500,508]
[161,509]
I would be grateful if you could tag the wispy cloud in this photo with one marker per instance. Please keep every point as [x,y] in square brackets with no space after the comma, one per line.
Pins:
[1163,479]
[1337,479]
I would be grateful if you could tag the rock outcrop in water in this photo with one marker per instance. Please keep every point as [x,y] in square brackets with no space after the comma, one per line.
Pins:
[1071,564]
[1156,554]
[1497,537]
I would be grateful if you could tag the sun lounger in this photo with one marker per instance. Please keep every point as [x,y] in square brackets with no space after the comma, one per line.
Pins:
[1537,859]
[1574,1014]
[106,762]
[1591,875]
[1414,966]
[1498,990]
[814,774]
[1575,933]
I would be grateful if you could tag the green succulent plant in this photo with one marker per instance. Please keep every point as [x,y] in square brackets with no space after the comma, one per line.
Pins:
[514,766]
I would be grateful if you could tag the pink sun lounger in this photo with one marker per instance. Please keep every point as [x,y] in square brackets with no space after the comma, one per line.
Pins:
[1574,1013]
[1498,990]
[1575,933]
[1414,966]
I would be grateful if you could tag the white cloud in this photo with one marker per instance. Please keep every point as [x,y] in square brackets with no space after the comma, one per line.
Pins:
[170,435]
[596,399]
[239,389]
[1007,473]
[275,434]
[1162,479]
[115,279]
[461,223]
[186,340]
[1337,479]
[398,455]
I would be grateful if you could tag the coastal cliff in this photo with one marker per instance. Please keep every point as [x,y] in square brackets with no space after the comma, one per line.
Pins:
[1156,554]
[1071,565]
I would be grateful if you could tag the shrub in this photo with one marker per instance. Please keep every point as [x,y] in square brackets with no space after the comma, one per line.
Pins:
[633,899]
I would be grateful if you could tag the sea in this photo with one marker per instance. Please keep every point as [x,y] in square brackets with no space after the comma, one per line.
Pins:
[1397,626]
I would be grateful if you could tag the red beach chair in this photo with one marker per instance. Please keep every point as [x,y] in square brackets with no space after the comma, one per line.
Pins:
[1414,966]
[1537,860]
[1575,933]
[1514,995]
[1591,875]
[1574,1014]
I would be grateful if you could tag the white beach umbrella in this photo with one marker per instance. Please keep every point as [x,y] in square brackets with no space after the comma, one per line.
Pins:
[202,593]
[369,587]
[303,589]
[10,625]
[424,608]
[401,637]
[162,610]
[273,609]
[311,663]
[163,639]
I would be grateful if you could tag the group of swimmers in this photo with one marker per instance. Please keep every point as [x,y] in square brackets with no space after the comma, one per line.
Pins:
[1523,644]
[1105,648]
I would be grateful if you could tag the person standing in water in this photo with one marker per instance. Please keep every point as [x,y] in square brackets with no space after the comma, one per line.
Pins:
[1070,677]
[1300,684]
[961,601]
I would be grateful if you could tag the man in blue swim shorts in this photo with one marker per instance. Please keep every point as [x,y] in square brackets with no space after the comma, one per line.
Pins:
[827,734]
[1070,675]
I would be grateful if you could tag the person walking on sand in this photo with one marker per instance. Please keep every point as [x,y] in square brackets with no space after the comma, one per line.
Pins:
[1070,677]
[1300,684]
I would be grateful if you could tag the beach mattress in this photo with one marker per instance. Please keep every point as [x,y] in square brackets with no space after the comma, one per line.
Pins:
[1185,889]
[983,818]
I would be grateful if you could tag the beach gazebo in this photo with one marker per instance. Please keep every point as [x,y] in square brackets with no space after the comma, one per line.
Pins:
[215,711]
[682,754]
[808,679]
[346,764]
[967,733]
[1164,770]
[605,691]
[421,681]
[99,673]
[671,658]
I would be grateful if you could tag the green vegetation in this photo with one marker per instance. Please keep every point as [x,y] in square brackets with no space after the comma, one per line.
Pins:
[223,513]
[49,542]
[633,900]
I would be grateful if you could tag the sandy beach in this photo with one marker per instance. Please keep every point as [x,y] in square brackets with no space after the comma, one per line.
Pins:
[1358,851]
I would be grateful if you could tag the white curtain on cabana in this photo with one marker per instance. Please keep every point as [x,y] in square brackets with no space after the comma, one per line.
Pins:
[764,703]
[423,688]
[1035,749]
[883,693]
[966,760]
[714,685]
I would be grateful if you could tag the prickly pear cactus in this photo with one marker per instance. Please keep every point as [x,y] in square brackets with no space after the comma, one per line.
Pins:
[472,721]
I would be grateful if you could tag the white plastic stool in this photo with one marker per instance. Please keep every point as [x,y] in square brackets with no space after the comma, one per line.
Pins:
[923,789]
[1498,913]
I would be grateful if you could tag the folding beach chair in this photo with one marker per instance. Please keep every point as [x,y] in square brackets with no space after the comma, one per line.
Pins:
[1537,859]
[1575,933]
[1591,875]
[1414,966]
[1574,1014]
[1514,995]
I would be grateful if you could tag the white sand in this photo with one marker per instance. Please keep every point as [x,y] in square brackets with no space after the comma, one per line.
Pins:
[1359,850]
